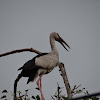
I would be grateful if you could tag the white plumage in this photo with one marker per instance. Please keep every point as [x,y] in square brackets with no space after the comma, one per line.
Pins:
[48,61]
[41,64]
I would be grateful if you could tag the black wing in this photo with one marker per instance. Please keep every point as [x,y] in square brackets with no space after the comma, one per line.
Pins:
[31,63]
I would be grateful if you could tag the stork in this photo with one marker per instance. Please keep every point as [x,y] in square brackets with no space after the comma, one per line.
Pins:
[41,64]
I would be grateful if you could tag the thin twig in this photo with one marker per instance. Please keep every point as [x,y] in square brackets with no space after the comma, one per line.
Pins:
[75,88]
[58,88]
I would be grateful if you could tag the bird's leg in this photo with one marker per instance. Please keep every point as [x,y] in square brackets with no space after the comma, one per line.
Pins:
[38,82]
[40,86]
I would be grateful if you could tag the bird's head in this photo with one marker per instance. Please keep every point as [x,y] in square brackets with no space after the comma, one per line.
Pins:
[59,39]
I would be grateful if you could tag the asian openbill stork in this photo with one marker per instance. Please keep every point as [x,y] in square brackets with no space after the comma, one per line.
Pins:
[41,64]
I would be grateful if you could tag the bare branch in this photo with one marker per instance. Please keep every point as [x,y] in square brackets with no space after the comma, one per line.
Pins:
[65,78]
[20,50]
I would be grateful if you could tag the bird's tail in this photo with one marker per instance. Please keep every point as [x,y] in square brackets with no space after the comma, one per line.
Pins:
[33,75]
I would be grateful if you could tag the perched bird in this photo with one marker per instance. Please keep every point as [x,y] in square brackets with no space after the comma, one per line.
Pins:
[41,64]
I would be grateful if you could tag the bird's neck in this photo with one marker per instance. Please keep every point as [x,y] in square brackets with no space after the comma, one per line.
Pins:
[53,46]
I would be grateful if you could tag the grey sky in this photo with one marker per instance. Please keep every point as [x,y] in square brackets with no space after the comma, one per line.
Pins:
[28,23]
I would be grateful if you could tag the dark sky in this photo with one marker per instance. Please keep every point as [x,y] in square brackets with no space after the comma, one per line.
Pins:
[28,23]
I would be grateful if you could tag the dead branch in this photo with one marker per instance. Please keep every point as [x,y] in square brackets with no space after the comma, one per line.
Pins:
[65,78]
[20,50]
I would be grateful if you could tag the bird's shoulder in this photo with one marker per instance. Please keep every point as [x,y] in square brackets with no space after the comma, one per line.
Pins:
[46,56]
[42,54]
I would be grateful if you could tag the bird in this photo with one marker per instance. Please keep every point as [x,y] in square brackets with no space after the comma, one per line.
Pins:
[41,64]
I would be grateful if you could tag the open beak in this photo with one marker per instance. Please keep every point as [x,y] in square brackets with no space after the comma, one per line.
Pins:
[63,42]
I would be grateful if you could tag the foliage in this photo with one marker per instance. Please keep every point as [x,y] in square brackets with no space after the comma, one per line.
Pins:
[20,96]
[91,98]
[57,96]
[75,91]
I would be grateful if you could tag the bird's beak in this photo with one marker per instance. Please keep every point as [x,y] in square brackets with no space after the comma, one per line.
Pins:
[62,41]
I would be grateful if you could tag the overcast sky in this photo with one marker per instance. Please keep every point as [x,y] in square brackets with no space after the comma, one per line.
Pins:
[28,23]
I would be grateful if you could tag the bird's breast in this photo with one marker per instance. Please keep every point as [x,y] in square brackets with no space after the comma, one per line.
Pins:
[47,61]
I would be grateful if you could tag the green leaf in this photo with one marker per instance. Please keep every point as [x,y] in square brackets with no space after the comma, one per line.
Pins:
[33,97]
[86,99]
[55,96]
[26,90]
[3,97]
[94,98]
[38,97]
[4,91]
[65,98]
[37,88]
[28,99]
[87,92]
[74,86]
[78,91]
[19,92]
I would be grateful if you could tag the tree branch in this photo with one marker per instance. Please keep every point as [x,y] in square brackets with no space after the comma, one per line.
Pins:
[65,78]
[20,50]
